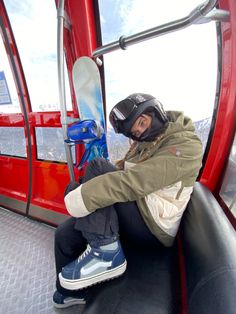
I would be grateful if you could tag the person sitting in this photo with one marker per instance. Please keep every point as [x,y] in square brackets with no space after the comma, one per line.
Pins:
[142,197]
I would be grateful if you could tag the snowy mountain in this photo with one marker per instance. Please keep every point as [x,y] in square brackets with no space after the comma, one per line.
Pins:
[202,129]
[119,144]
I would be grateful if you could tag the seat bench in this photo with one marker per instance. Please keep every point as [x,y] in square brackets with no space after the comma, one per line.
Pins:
[151,284]
[209,246]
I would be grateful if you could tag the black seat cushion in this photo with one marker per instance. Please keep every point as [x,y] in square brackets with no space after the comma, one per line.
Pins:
[209,243]
[150,284]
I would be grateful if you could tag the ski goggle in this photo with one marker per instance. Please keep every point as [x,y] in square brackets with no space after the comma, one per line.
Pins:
[120,112]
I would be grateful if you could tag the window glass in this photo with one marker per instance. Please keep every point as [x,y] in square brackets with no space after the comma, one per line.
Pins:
[228,189]
[50,144]
[179,68]
[9,102]
[12,141]
[34,24]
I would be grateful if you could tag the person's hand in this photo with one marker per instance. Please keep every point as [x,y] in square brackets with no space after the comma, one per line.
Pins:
[70,187]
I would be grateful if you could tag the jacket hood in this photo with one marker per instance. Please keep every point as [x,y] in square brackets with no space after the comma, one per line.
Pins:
[178,122]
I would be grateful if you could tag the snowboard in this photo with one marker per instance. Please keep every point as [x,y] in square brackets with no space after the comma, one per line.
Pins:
[88,93]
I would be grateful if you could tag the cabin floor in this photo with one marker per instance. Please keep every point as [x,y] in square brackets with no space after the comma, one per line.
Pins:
[27,277]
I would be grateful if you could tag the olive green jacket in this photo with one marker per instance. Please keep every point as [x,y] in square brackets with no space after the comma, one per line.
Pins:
[161,185]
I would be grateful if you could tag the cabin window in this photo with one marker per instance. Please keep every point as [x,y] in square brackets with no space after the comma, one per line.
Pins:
[179,69]
[50,144]
[228,189]
[9,102]
[34,24]
[12,141]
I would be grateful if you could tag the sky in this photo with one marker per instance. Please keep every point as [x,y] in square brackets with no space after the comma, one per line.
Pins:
[36,36]
[178,68]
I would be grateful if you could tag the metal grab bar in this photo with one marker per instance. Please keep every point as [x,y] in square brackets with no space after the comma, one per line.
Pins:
[61,84]
[197,14]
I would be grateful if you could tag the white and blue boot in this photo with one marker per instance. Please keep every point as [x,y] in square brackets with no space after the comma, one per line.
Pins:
[93,266]
[61,301]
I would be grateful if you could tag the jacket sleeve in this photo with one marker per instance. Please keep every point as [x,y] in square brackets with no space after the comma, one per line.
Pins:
[134,183]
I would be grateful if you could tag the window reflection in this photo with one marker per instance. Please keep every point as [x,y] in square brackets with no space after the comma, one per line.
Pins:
[228,189]
[50,144]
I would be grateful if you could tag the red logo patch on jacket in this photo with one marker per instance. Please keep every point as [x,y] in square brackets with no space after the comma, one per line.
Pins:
[174,151]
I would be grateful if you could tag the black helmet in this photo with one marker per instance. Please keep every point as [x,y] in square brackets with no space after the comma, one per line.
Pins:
[125,113]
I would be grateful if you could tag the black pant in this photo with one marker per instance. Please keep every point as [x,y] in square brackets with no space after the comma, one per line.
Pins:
[99,228]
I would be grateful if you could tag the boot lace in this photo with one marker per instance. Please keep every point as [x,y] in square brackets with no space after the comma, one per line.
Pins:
[85,253]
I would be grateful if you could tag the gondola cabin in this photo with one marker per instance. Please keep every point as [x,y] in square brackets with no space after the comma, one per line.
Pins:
[183,52]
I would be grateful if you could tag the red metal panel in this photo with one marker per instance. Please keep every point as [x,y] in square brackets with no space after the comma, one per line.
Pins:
[226,117]
[16,119]
[50,180]
[45,119]
[14,177]
[81,14]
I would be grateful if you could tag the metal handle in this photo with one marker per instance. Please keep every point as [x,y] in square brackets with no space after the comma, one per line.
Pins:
[197,14]
[61,84]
